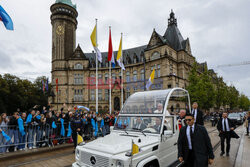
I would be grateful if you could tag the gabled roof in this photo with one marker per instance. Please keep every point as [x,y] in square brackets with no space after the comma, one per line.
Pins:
[128,53]
[78,54]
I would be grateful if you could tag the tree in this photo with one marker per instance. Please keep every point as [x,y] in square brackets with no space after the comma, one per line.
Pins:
[201,88]
[220,92]
[244,102]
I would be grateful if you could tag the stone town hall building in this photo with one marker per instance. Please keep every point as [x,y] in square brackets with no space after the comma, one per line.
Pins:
[170,54]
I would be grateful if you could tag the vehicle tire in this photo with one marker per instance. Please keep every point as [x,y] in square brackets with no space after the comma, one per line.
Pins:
[152,164]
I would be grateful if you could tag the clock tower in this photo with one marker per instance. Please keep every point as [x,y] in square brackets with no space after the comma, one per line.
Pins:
[64,25]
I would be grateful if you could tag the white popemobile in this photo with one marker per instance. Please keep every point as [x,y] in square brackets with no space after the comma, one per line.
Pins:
[147,119]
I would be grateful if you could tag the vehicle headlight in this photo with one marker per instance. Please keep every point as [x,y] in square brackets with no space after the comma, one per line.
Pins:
[119,163]
[238,119]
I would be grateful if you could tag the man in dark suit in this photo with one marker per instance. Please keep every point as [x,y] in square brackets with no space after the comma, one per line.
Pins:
[224,127]
[194,145]
[139,124]
[198,114]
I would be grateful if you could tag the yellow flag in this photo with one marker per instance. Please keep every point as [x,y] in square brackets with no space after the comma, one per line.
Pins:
[152,76]
[93,37]
[79,139]
[150,80]
[135,148]
[119,53]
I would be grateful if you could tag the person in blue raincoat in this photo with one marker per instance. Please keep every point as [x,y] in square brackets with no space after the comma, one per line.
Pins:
[98,125]
[22,131]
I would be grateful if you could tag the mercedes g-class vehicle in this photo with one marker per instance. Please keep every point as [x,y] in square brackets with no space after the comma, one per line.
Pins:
[144,135]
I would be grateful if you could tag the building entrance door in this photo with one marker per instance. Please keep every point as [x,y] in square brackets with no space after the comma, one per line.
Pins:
[117,103]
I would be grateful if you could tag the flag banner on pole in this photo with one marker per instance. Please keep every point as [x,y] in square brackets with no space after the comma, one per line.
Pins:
[111,56]
[43,86]
[79,139]
[119,56]
[94,43]
[47,84]
[135,148]
[5,18]
[151,79]
[56,84]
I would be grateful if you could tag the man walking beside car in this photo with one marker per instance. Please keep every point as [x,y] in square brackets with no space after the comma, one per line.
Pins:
[198,115]
[224,127]
[194,145]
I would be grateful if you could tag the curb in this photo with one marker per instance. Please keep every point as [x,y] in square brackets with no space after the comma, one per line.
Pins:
[238,159]
[19,154]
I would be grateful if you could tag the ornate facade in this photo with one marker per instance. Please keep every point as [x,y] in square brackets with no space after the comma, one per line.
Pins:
[169,54]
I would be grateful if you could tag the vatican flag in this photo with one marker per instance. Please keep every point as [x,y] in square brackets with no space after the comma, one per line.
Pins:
[93,38]
[79,139]
[135,148]
[119,56]
[150,80]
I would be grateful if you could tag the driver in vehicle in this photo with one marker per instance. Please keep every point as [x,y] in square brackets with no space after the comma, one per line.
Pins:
[139,124]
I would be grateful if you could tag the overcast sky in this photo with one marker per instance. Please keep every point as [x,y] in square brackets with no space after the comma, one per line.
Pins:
[218,31]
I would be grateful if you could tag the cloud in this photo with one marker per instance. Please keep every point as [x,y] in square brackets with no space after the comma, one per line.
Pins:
[218,31]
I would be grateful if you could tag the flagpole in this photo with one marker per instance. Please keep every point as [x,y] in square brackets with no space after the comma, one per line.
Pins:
[121,76]
[110,107]
[96,83]
[110,82]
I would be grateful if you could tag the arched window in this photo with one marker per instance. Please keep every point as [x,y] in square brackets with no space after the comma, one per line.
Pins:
[129,60]
[113,77]
[106,78]
[127,76]
[135,76]
[78,66]
[155,55]
[135,59]
[142,74]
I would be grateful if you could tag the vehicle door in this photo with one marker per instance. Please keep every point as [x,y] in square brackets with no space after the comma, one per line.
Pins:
[168,143]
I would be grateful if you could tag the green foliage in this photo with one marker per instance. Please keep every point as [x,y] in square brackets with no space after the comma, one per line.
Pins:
[201,88]
[244,102]
[211,91]
[17,93]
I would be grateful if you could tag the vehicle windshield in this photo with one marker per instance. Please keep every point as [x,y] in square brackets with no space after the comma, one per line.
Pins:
[139,124]
[233,115]
[149,102]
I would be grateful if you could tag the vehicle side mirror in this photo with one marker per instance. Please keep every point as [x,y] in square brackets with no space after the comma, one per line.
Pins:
[168,133]
[111,128]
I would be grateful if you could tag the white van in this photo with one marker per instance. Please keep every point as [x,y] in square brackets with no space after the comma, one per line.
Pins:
[149,120]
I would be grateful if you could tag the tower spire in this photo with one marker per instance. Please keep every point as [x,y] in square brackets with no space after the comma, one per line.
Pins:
[172,20]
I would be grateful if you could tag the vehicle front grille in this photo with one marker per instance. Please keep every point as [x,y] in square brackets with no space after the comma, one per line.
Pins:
[100,161]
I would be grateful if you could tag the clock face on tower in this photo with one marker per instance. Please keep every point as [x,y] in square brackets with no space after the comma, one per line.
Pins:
[60,30]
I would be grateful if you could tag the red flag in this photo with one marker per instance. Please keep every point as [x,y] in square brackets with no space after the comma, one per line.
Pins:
[56,84]
[43,86]
[110,52]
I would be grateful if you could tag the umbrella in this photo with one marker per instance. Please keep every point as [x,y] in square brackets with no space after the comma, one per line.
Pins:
[86,108]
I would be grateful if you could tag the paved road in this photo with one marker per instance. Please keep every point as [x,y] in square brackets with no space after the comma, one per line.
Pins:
[65,157]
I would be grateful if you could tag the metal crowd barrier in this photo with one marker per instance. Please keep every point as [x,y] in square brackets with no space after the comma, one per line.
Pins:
[35,136]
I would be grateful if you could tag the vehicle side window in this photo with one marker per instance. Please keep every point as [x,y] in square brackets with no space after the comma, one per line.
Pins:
[168,123]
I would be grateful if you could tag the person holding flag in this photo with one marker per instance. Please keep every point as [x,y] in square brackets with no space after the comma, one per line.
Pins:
[5,18]
[150,80]
[3,129]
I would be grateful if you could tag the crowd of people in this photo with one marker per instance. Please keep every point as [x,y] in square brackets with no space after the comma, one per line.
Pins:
[39,128]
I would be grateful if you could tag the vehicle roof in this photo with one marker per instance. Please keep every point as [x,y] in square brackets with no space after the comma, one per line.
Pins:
[142,101]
